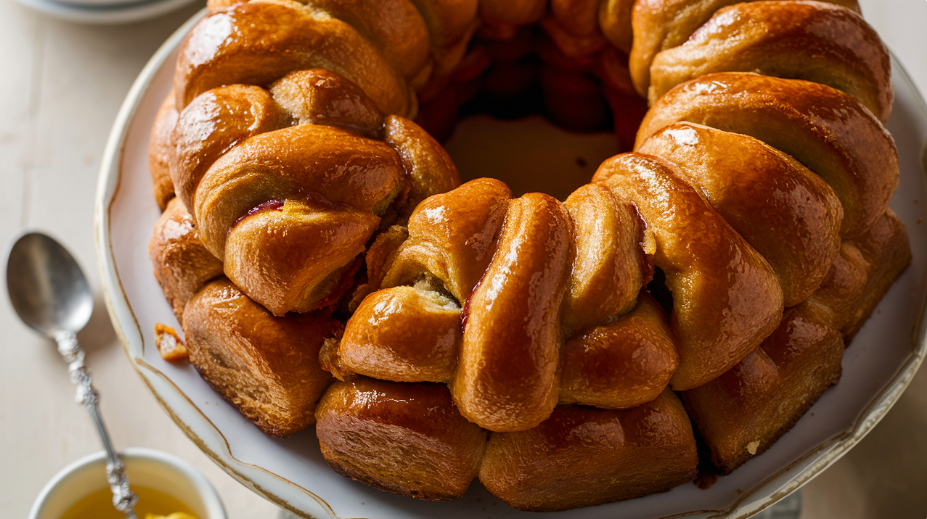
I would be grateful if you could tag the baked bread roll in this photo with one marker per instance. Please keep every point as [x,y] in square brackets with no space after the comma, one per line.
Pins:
[267,367]
[817,125]
[751,184]
[728,257]
[160,150]
[726,298]
[777,39]
[404,438]
[287,184]
[744,411]
[424,333]
[182,265]
[660,25]
[610,456]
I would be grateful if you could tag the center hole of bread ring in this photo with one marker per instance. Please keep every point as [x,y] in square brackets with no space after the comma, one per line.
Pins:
[519,110]
[529,154]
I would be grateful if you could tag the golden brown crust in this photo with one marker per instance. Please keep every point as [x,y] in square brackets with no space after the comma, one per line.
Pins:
[211,125]
[160,148]
[783,39]
[428,166]
[573,25]
[220,119]
[450,25]
[785,211]
[609,263]
[395,27]
[223,117]
[824,129]
[305,249]
[621,364]
[726,298]
[182,265]
[403,438]
[292,172]
[319,171]
[275,37]
[412,333]
[453,236]
[249,131]
[888,250]
[317,96]
[267,367]
[664,24]
[615,22]
[509,367]
[862,273]
[609,456]
[744,411]
[403,334]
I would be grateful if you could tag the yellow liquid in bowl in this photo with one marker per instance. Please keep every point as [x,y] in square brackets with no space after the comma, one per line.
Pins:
[99,505]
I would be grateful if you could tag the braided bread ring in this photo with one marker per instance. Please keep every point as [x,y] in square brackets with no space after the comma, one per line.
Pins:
[573,271]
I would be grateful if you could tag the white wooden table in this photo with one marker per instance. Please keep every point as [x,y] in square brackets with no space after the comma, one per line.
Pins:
[61,85]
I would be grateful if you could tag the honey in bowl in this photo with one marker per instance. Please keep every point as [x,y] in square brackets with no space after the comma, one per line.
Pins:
[99,505]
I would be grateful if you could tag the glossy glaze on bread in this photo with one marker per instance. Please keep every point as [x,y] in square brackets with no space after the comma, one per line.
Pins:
[533,343]
[304,160]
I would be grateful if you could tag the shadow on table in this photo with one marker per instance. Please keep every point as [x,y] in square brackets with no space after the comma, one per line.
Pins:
[99,332]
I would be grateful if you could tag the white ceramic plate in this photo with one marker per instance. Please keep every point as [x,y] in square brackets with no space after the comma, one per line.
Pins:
[876,368]
[105,11]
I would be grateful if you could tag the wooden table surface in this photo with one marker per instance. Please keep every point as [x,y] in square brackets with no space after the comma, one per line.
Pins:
[61,86]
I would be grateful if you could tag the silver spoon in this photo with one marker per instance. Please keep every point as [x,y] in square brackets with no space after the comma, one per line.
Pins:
[51,295]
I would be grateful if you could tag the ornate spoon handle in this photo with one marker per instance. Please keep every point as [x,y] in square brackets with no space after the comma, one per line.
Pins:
[123,498]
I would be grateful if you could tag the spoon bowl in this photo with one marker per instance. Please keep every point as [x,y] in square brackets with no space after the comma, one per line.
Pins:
[46,286]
